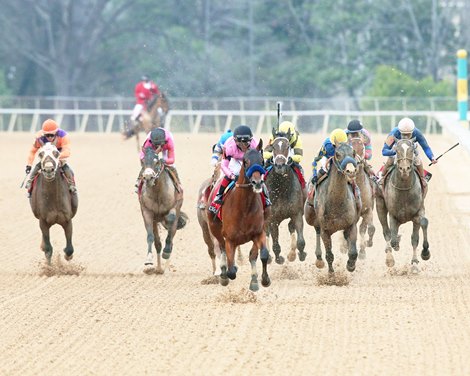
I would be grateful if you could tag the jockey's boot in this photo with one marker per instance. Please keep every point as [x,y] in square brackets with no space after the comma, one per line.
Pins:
[218,197]
[70,179]
[32,175]
[424,182]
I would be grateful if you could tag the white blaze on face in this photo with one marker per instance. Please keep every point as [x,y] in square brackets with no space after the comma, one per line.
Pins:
[405,148]
[148,173]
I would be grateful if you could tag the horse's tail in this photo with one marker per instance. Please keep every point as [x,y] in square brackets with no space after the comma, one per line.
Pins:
[182,220]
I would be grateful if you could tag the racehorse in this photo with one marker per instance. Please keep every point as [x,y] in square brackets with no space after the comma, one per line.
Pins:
[402,199]
[159,204]
[153,117]
[51,201]
[336,207]
[288,199]
[366,186]
[243,220]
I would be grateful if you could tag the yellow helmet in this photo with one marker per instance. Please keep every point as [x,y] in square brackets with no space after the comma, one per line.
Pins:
[286,127]
[338,136]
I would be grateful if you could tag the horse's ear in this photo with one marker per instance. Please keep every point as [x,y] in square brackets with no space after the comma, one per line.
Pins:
[274,133]
[289,134]
[260,145]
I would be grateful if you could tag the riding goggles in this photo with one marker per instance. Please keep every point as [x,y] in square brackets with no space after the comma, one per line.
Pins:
[49,135]
[243,138]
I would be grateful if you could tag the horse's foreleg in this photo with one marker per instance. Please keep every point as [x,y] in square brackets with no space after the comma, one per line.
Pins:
[362,233]
[425,254]
[254,273]
[46,245]
[148,222]
[382,213]
[351,235]
[274,229]
[261,244]
[223,268]
[231,267]
[171,221]
[395,240]
[326,237]
[68,250]
[319,262]
[414,243]
[158,247]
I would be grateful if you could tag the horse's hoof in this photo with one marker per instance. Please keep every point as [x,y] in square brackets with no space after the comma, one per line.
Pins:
[68,257]
[266,281]
[166,255]
[320,264]
[362,254]
[279,260]
[148,270]
[370,243]
[414,269]
[351,266]
[254,286]
[270,259]
[302,255]
[425,254]
[291,257]
[223,281]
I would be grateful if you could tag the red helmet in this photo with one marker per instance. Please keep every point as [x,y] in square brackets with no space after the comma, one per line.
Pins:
[49,126]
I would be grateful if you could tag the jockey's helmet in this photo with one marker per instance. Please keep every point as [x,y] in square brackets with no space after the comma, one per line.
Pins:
[158,137]
[338,136]
[406,126]
[242,133]
[49,126]
[145,78]
[354,126]
[286,127]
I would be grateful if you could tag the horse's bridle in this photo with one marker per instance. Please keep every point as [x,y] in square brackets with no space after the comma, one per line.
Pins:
[281,156]
[154,172]
[49,156]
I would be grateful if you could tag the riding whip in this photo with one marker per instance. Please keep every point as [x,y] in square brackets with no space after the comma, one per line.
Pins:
[279,114]
[445,152]
[22,183]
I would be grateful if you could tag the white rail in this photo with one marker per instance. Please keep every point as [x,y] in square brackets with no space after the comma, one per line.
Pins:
[195,121]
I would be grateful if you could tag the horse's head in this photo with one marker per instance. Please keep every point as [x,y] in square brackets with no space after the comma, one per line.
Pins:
[358,146]
[345,160]
[49,156]
[253,166]
[153,166]
[281,148]
[405,155]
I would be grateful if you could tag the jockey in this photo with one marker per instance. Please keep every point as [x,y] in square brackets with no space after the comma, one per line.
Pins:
[144,92]
[160,140]
[327,151]
[51,132]
[232,159]
[355,129]
[287,129]
[406,130]
[217,149]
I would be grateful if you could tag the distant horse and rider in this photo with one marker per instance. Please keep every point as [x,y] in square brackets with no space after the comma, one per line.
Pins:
[335,204]
[288,194]
[241,218]
[51,200]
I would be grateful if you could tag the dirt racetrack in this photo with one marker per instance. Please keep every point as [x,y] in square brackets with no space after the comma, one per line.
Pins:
[100,315]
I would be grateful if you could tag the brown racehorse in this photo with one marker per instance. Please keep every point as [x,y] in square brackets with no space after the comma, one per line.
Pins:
[402,201]
[243,220]
[51,201]
[153,117]
[366,186]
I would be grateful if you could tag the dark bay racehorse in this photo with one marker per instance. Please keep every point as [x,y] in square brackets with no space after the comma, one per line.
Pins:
[159,203]
[243,220]
[402,201]
[51,201]
[366,186]
[288,199]
[335,207]
[151,118]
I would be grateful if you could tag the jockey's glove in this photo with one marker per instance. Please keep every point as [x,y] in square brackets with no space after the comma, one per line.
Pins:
[27,169]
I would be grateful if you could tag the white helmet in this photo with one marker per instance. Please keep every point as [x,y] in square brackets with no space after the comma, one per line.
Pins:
[406,125]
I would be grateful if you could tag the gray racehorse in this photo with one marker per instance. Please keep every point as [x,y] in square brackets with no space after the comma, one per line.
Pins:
[402,201]
[51,201]
[335,207]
